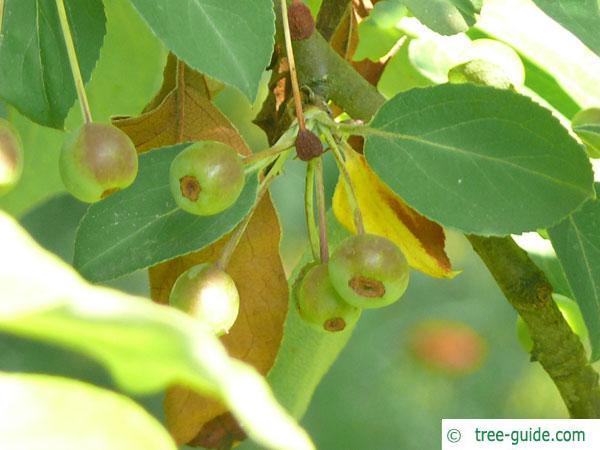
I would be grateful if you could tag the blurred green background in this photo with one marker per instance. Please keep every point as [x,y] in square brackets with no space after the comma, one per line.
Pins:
[379,394]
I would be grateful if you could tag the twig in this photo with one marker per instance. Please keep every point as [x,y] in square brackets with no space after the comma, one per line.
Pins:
[332,12]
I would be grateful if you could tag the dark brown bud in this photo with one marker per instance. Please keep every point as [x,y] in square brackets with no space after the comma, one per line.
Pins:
[308,145]
[302,23]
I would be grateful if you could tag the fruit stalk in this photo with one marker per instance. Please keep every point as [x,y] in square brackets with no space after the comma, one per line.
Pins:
[263,158]
[350,192]
[74,63]
[321,211]
[235,238]
[309,209]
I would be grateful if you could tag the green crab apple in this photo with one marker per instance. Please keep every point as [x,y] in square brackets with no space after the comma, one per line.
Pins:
[369,271]
[571,313]
[97,161]
[209,295]
[319,304]
[206,178]
[586,124]
[11,157]
[480,71]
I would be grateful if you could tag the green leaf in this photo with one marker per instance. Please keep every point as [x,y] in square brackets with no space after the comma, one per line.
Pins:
[40,411]
[580,17]
[142,225]
[446,17]
[35,75]
[482,160]
[231,41]
[146,346]
[577,244]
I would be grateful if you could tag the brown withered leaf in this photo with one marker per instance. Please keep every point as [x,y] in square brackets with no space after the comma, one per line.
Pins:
[255,337]
[184,114]
[385,214]
[182,111]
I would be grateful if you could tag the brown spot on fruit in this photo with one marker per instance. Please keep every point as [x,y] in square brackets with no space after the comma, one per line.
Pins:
[190,187]
[308,145]
[335,324]
[302,23]
[367,287]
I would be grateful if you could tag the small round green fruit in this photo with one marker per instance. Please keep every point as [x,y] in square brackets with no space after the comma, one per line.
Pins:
[98,161]
[11,157]
[491,62]
[586,124]
[479,71]
[208,294]
[369,271]
[320,305]
[207,178]
[570,311]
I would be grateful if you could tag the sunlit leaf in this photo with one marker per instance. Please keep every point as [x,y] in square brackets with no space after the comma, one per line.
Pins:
[44,412]
[44,299]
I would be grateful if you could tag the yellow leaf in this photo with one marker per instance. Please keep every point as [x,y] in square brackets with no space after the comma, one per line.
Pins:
[386,214]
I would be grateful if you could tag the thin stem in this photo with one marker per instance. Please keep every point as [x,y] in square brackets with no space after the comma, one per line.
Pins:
[292,63]
[348,185]
[358,129]
[309,208]
[79,85]
[236,237]
[322,213]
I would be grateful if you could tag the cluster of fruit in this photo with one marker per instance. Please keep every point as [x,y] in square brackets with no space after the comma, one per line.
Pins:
[365,271]
[206,178]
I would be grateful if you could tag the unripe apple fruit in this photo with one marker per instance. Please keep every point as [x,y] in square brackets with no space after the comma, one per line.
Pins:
[319,304]
[97,161]
[209,295]
[369,271]
[206,178]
